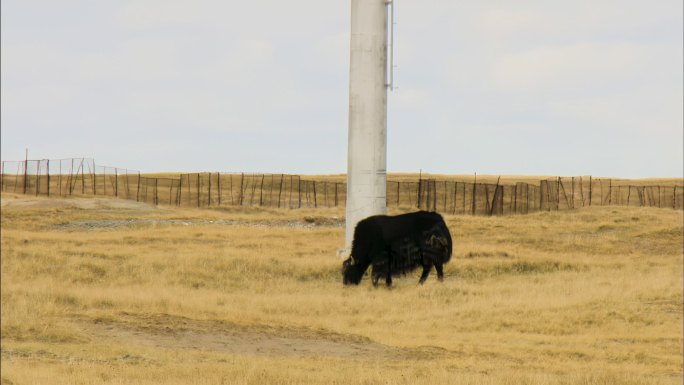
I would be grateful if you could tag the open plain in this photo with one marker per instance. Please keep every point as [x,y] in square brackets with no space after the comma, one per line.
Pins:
[106,291]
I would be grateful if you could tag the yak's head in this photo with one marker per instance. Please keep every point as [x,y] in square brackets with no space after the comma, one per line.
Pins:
[352,272]
[438,243]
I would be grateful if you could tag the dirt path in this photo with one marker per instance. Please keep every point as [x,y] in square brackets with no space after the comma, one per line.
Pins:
[166,331]
[119,223]
[86,203]
[146,214]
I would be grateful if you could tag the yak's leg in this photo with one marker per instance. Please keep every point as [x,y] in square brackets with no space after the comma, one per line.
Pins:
[440,272]
[426,271]
[388,280]
[375,280]
[375,276]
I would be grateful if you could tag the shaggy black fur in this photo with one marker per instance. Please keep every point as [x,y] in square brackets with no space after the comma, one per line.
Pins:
[396,245]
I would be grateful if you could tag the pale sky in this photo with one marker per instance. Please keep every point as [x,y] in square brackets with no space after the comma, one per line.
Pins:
[493,87]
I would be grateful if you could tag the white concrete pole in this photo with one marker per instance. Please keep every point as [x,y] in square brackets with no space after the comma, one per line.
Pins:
[367,147]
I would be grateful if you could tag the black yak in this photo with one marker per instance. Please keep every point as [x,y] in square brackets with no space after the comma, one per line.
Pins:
[396,245]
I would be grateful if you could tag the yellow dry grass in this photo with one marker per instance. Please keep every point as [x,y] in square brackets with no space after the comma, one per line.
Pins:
[104,291]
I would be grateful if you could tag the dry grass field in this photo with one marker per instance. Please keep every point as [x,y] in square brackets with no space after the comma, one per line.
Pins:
[106,291]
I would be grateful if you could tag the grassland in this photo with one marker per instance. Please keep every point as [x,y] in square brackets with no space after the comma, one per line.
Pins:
[105,291]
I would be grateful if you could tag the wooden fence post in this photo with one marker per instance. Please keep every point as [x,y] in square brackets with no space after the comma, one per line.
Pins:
[37,184]
[289,199]
[674,198]
[137,195]
[642,196]
[230,186]
[180,190]
[126,185]
[251,197]
[495,197]
[261,191]
[218,175]
[420,184]
[94,179]
[73,177]
[558,193]
[434,196]
[425,190]
[610,192]
[427,196]
[515,199]
[70,180]
[336,199]
[280,189]
[590,187]
[25,171]
[567,202]
[659,195]
[242,180]
[59,181]
[270,194]
[314,195]
[620,199]
[573,192]
[83,176]
[48,178]
[197,187]
[474,202]
[464,198]
[209,198]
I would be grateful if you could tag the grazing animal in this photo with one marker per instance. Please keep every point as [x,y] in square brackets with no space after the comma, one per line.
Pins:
[396,245]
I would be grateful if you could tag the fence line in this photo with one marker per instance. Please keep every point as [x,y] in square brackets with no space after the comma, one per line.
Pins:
[81,176]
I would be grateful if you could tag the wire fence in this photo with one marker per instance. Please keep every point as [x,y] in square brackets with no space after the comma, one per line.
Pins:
[561,193]
[271,190]
[81,176]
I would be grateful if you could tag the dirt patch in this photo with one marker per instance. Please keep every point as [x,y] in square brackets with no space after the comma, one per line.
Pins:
[173,332]
[132,222]
[85,203]
[134,209]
